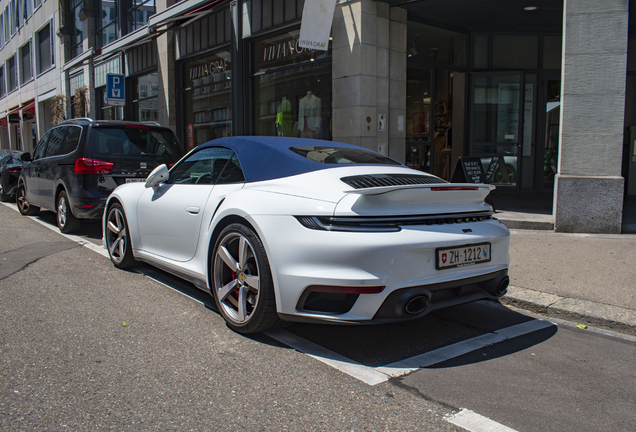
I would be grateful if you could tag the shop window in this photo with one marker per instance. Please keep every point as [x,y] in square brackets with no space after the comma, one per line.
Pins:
[418,119]
[45,54]
[3,90]
[432,44]
[77,37]
[292,89]
[515,52]
[26,64]
[207,96]
[12,74]
[145,99]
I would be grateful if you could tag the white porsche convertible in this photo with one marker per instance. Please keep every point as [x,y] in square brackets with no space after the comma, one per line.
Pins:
[290,229]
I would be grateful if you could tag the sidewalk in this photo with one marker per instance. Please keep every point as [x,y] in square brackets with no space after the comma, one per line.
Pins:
[586,278]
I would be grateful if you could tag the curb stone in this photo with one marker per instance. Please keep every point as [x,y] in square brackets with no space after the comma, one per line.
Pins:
[599,315]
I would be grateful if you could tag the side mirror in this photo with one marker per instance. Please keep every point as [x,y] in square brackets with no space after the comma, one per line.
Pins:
[157,176]
[26,157]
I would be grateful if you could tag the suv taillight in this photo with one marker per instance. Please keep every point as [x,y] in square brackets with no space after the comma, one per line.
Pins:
[92,166]
[15,169]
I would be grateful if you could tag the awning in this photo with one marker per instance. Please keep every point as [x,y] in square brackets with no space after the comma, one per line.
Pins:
[181,10]
[28,110]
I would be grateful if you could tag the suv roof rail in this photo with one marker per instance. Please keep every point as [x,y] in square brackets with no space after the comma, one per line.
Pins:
[76,119]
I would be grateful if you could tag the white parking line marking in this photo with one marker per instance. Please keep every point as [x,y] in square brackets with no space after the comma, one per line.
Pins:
[100,249]
[473,422]
[363,373]
[439,355]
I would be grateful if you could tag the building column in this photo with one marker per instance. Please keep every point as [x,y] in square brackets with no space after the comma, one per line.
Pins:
[166,77]
[588,193]
[369,76]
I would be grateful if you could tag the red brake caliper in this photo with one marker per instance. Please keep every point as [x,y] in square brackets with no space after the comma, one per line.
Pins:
[236,290]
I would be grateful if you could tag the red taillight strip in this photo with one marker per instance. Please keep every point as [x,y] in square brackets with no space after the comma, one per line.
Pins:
[92,166]
[345,289]
[454,188]
[15,169]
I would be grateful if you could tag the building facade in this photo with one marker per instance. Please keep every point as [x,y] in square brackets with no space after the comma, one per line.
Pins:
[29,70]
[542,93]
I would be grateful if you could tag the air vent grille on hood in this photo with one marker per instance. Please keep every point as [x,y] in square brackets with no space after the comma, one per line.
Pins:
[380,180]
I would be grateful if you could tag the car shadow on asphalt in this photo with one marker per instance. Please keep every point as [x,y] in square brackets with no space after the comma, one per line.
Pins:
[89,229]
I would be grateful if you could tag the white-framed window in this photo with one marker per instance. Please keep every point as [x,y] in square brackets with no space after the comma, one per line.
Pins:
[37,4]
[13,17]
[27,9]
[26,63]
[3,88]
[7,25]
[12,74]
[1,30]
[45,48]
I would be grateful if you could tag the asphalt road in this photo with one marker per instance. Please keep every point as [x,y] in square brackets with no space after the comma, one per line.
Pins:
[84,346]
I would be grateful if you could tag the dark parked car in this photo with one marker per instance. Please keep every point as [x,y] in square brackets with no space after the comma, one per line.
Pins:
[10,167]
[77,164]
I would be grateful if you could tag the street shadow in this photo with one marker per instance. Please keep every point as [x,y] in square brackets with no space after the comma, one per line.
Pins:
[90,229]
[383,344]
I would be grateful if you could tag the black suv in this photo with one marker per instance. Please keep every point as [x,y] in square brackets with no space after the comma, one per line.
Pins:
[78,163]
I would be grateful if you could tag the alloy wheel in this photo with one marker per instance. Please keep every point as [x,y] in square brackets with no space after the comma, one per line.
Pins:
[236,278]
[62,210]
[116,233]
[21,199]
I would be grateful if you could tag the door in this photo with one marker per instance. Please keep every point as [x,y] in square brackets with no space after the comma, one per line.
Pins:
[32,171]
[170,215]
[62,141]
[496,126]
[549,154]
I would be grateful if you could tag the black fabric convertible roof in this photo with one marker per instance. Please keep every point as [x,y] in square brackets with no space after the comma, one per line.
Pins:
[268,158]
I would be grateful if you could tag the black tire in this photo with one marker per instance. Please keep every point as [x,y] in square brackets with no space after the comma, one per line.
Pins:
[117,237]
[245,307]
[23,205]
[66,222]
[3,196]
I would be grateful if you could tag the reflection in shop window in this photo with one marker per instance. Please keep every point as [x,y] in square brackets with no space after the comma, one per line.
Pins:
[207,95]
[292,89]
[145,98]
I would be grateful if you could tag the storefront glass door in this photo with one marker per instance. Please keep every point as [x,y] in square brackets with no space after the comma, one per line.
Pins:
[550,148]
[419,94]
[496,126]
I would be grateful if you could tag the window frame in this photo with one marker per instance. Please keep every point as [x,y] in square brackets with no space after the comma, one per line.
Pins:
[177,171]
[38,67]
[3,83]
[8,70]
[23,81]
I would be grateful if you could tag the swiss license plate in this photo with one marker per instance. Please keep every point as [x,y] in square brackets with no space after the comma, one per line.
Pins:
[135,180]
[460,256]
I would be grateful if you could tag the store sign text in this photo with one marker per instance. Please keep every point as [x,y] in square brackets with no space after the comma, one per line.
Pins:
[282,50]
[210,68]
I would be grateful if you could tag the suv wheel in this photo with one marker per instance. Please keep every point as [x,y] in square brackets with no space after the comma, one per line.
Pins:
[65,219]
[23,205]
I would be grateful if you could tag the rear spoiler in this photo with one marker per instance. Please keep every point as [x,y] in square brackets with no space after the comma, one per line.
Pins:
[433,187]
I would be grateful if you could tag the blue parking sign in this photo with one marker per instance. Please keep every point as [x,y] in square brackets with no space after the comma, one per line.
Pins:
[115,95]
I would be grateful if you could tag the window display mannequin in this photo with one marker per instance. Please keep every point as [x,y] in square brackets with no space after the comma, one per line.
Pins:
[309,115]
[284,118]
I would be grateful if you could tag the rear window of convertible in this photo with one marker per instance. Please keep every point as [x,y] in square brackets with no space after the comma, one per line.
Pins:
[133,141]
[340,155]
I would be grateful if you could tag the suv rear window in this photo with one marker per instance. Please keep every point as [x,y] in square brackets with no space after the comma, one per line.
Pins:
[133,141]
[340,155]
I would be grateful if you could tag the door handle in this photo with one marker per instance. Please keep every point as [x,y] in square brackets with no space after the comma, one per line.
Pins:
[193,210]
